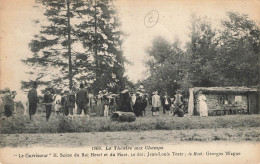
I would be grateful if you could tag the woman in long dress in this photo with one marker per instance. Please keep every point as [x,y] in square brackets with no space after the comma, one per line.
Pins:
[99,104]
[203,105]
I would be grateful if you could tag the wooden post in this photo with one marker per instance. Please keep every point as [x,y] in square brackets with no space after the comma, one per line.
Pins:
[248,104]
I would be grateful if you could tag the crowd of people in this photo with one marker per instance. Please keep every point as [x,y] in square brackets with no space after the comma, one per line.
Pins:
[83,102]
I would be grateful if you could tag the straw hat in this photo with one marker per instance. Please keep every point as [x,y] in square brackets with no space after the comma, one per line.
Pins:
[125,90]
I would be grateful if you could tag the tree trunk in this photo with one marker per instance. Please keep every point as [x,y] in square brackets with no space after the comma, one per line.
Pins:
[69,45]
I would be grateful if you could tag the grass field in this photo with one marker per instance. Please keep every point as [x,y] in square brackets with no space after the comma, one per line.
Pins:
[61,124]
[19,131]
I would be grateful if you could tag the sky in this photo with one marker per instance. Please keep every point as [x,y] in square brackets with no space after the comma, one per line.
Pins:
[169,19]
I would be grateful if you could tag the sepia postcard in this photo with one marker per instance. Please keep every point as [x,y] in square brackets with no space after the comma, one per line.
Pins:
[129,81]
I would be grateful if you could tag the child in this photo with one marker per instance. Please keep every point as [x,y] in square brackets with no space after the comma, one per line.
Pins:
[57,107]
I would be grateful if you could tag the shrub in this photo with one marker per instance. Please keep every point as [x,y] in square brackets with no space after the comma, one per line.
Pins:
[160,125]
[65,125]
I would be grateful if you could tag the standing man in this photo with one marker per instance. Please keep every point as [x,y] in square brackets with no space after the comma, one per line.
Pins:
[47,99]
[156,103]
[33,100]
[71,99]
[144,104]
[82,100]
[166,103]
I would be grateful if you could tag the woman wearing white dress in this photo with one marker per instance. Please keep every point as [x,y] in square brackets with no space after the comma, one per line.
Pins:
[203,105]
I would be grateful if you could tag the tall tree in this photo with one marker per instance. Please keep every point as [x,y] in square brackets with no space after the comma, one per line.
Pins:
[52,56]
[69,34]
[100,33]
[238,51]
[202,51]
[166,65]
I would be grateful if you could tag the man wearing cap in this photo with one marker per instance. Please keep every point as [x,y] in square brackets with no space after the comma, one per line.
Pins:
[8,103]
[82,100]
[33,100]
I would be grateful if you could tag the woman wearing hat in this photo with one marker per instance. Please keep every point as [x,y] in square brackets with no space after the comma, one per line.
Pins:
[8,103]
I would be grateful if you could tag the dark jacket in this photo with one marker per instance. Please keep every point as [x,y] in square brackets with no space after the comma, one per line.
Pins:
[164,99]
[47,99]
[82,96]
[8,100]
[105,100]
[64,101]
[144,102]
[71,100]
[32,96]
[125,101]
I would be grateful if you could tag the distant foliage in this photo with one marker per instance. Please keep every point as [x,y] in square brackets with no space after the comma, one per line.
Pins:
[228,56]
[167,65]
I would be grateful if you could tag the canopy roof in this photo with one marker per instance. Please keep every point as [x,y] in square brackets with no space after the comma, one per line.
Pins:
[225,89]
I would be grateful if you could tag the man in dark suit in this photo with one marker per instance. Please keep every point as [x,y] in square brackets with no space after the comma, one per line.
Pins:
[47,100]
[71,99]
[82,100]
[33,100]
[166,103]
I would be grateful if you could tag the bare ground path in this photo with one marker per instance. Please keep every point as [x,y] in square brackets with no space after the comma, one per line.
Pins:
[130,137]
